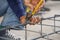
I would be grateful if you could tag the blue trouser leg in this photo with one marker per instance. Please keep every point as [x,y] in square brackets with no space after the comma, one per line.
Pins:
[10,19]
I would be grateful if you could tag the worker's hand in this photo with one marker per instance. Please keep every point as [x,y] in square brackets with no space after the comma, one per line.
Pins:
[32,20]
[23,19]
[28,4]
[32,3]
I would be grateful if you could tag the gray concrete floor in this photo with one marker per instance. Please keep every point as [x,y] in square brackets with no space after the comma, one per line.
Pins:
[55,9]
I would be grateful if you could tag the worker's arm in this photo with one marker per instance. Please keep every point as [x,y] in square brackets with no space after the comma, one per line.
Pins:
[17,7]
[32,3]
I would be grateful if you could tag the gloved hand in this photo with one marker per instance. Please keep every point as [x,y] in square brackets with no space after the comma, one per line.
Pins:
[32,3]
[33,20]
